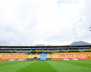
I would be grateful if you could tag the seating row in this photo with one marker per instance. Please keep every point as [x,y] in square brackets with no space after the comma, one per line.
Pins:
[48,57]
[14,57]
[71,57]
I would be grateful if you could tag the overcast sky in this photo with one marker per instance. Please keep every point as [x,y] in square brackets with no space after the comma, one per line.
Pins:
[49,22]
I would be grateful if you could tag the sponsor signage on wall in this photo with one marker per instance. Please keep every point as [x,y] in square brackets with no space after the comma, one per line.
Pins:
[42,56]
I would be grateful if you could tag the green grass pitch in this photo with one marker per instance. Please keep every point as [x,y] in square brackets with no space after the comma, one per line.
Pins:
[46,66]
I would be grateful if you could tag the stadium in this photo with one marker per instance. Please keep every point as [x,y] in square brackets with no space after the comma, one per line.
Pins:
[45,58]
[45,35]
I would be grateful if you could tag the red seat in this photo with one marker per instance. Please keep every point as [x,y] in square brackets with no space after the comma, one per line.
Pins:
[3,59]
[63,56]
[22,57]
[83,59]
[56,59]
[14,57]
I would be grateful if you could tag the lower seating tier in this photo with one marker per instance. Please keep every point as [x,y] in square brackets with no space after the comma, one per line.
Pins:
[73,58]
[83,58]
[30,59]
[56,59]
[64,58]
[48,59]
[22,58]
[14,58]
[3,59]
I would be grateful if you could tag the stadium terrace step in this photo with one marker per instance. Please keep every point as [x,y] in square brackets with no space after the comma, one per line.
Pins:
[83,59]
[87,55]
[22,58]
[64,58]
[14,58]
[1,56]
[6,56]
[73,58]
[48,59]
[3,59]
[30,59]
[56,59]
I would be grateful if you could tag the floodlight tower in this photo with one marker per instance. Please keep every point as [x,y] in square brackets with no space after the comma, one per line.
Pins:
[90,28]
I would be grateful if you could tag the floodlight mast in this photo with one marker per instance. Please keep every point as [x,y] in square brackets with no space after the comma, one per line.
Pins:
[90,28]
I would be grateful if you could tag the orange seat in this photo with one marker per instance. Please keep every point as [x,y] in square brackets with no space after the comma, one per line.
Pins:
[15,57]
[5,58]
[23,57]
[72,56]
[1,56]
[81,57]
[87,55]
[63,57]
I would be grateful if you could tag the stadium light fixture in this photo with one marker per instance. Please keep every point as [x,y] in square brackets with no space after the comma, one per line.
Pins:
[90,28]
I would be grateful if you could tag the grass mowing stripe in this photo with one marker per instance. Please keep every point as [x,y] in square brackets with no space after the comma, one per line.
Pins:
[38,66]
[86,61]
[79,63]
[63,66]
[8,63]
[15,67]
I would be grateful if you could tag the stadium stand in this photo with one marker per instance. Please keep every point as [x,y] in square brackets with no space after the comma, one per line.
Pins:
[48,57]
[1,56]
[26,49]
[45,53]
[33,53]
[15,49]
[73,48]
[4,49]
[64,57]
[44,49]
[39,49]
[50,52]
[22,57]
[72,57]
[81,57]
[14,57]
[33,49]
[5,58]
[55,57]
[87,56]
[33,57]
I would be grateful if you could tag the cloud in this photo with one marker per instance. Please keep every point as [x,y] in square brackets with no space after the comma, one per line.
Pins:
[49,22]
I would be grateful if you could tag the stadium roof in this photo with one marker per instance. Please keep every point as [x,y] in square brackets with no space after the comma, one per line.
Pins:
[44,46]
